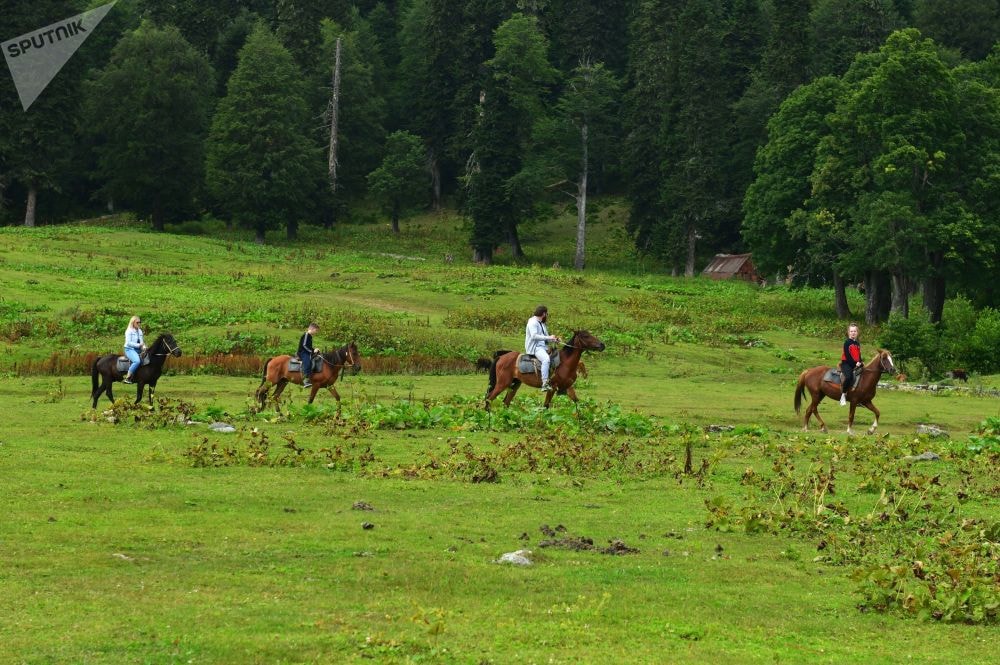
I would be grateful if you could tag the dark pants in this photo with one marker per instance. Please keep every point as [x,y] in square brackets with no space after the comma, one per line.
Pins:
[307,365]
[848,371]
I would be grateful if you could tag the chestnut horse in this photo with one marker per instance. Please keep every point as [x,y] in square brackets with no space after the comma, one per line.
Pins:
[863,393]
[276,373]
[504,374]
[104,370]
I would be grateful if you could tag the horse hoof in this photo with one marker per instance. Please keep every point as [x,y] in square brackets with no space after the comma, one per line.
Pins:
[805,429]
[825,430]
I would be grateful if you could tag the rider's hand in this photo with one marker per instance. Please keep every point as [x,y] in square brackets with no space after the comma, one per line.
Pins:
[859,364]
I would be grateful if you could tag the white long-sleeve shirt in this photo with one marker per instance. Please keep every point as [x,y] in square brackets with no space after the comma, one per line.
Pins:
[133,339]
[535,336]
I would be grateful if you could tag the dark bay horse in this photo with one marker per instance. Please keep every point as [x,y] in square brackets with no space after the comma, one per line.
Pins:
[504,374]
[276,373]
[863,393]
[106,367]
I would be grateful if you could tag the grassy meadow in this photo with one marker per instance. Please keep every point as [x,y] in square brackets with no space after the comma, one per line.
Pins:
[371,535]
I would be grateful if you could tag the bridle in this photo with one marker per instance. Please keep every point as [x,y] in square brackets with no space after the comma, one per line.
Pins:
[170,351]
[348,356]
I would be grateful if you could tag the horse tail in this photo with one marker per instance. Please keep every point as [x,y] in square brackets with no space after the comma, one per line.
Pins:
[800,391]
[263,378]
[493,370]
[93,375]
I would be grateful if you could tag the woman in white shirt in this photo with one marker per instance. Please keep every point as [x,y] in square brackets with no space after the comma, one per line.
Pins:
[134,345]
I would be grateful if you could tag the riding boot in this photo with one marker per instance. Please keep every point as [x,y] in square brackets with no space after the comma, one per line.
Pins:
[306,383]
[127,379]
[843,399]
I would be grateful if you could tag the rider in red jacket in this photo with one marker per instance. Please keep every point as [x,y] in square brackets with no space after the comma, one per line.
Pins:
[850,360]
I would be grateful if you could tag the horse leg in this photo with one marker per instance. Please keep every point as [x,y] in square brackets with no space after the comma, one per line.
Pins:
[850,419]
[138,392]
[262,390]
[548,398]
[492,395]
[312,393]
[871,407]
[814,409]
[511,393]
[152,389]
[277,394]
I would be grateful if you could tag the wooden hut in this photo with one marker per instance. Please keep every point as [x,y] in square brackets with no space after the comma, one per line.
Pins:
[732,266]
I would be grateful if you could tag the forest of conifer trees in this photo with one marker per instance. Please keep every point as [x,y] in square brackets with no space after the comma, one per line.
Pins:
[841,141]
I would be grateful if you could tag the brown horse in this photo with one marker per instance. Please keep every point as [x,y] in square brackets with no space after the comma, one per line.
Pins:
[863,393]
[276,373]
[504,374]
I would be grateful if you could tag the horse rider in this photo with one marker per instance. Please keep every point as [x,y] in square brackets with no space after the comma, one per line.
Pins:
[305,353]
[134,345]
[536,339]
[850,360]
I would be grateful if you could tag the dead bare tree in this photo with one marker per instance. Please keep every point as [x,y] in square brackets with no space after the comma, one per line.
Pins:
[334,111]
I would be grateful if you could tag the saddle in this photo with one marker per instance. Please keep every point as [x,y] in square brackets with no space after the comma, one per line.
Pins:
[530,365]
[124,362]
[834,376]
[295,364]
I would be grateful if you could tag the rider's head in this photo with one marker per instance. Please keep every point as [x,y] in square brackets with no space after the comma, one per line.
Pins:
[134,322]
[852,331]
[542,312]
[313,328]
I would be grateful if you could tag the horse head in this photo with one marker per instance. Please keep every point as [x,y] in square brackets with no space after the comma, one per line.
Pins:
[582,339]
[354,357]
[346,356]
[885,361]
[169,344]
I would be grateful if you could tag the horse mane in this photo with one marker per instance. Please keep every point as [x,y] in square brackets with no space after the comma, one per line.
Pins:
[340,354]
[569,345]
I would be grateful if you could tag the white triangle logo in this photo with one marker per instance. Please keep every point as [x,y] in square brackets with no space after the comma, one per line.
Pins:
[36,57]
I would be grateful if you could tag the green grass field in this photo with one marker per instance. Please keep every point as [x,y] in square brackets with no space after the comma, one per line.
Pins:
[136,541]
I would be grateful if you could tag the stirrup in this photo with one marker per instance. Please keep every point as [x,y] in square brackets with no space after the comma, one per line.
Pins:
[546,387]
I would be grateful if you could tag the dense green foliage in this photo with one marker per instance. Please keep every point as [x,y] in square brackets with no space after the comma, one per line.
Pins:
[488,86]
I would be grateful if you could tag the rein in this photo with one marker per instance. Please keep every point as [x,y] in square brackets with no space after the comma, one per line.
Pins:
[169,350]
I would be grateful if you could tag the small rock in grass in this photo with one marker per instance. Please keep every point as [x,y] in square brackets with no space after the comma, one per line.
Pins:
[922,457]
[518,558]
[367,526]
[362,505]
[224,428]
[931,430]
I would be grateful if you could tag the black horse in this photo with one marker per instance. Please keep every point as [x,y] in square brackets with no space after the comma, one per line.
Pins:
[107,367]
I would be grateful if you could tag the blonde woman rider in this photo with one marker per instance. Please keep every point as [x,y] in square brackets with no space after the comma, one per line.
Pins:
[134,345]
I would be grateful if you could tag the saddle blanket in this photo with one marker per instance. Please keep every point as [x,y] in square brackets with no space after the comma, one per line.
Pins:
[124,362]
[530,365]
[295,364]
[833,376]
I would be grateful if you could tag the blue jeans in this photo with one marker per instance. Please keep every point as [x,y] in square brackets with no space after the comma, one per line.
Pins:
[133,355]
[307,365]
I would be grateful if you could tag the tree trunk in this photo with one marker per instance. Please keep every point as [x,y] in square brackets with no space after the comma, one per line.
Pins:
[934,297]
[878,297]
[29,212]
[516,252]
[395,217]
[482,255]
[884,303]
[259,236]
[334,118]
[435,169]
[871,298]
[692,239]
[840,297]
[581,204]
[901,295]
